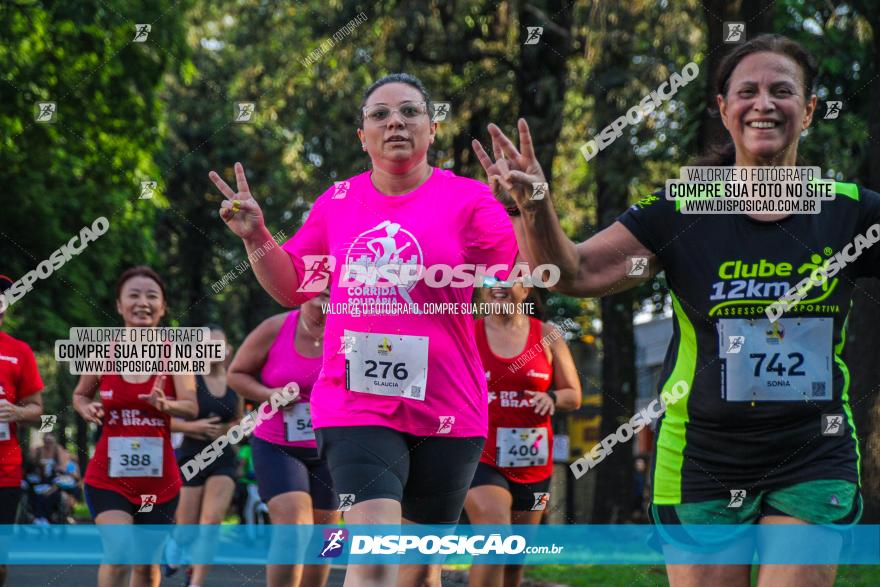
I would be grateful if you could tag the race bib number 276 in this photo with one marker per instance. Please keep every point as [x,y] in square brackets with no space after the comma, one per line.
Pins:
[385,364]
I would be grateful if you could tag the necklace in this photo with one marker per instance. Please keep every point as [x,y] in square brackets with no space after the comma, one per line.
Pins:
[316,341]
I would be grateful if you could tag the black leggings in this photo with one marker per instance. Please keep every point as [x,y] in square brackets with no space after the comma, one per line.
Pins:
[428,475]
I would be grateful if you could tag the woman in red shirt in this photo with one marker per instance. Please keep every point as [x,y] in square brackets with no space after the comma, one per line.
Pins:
[134,457]
[531,374]
[20,401]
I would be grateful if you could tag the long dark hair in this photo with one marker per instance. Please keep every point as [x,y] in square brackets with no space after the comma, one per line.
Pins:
[394,78]
[725,153]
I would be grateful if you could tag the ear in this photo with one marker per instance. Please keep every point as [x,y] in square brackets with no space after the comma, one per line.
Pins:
[119,307]
[809,110]
[432,131]
[162,310]
[722,110]
[362,138]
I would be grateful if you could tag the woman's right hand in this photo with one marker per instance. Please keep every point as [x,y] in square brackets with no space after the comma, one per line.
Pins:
[239,210]
[92,412]
[206,428]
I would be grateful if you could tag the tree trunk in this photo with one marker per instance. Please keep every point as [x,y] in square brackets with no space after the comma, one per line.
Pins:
[614,477]
[542,75]
[862,350]
[758,18]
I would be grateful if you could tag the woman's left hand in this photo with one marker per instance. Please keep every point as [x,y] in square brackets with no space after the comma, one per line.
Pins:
[9,412]
[543,403]
[156,397]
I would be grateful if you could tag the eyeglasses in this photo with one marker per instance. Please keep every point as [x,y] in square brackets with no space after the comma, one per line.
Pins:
[380,113]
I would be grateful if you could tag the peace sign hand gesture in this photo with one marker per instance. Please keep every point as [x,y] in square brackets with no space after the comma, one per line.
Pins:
[515,172]
[239,211]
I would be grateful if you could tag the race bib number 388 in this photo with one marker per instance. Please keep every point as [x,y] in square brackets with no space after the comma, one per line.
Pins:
[787,360]
[385,364]
[135,456]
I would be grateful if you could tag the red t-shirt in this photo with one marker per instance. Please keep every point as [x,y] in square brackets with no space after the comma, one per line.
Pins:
[129,427]
[19,378]
[520,442]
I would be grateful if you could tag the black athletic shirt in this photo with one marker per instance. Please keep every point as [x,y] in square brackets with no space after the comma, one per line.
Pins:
[210,406]
[723,271]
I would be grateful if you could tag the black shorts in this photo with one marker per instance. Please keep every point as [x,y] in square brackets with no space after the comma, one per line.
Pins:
[224,465]
[9,498]
[103,500]
[282,469]
[526,496]
[428,475]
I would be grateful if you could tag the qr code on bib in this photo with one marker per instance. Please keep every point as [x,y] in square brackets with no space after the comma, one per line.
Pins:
[818,388]
[416,391]
[155,471]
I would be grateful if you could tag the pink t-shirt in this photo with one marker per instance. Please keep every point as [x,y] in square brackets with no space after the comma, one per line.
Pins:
[448,220]
[284,365]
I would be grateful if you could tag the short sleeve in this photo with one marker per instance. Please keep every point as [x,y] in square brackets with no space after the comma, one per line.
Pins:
[649,220]
[869,216]
[308,247]
[29,381]
[488,234]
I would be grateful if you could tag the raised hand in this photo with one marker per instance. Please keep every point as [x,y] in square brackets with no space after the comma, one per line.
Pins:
[156,397]
[239,210]
[493,172]
[517,171]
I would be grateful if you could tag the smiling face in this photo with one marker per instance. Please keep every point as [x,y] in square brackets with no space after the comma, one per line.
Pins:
[765,109]
[141,302]
[397,143]
[506,295]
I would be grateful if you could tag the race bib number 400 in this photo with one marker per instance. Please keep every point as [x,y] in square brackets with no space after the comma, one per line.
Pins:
[385,364]
[135,456]
[787,360]
[522,447]
[298,422]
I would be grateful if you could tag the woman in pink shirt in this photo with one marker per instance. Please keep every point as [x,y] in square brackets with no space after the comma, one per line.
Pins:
[400,406]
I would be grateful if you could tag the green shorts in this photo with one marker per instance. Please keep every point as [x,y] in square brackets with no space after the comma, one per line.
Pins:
[826,501]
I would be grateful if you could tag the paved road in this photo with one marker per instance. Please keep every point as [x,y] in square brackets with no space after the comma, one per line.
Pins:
[225,576]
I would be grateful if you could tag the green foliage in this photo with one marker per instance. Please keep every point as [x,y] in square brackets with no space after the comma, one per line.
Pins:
[60,177]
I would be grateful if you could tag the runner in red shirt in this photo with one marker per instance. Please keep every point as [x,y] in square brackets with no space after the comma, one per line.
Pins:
[20,401]
[134,457]
[531,374]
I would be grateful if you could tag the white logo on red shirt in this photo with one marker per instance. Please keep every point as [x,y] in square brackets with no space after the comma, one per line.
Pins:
[492,396]
[135,418]
[513,399]
[13,360]
[533,373]
[106,394]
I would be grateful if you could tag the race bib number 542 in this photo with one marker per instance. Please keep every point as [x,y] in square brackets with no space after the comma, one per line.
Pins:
[385,364]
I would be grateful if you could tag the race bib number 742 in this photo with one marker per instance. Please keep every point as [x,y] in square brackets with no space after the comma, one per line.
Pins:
[787,360]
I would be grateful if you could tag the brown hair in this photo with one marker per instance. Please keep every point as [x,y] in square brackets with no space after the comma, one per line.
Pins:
[140,271]
[725,153]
